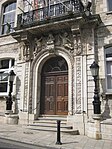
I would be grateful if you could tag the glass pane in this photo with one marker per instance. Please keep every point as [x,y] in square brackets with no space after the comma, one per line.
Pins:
[3,87]
[55,64]
[110,5]
[4,64]
[12,62]
[109,82]
[5,18]
[109,67]
[3,76]
[108,52]
[6,8]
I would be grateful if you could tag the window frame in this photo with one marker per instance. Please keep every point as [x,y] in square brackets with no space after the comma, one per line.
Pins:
[7,70]
[12,12]
[109,59]
[108,4]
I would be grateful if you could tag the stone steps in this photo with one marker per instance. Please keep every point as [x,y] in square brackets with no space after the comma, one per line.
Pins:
[49,123]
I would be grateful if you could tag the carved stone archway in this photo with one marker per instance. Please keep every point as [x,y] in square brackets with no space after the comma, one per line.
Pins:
[37,79]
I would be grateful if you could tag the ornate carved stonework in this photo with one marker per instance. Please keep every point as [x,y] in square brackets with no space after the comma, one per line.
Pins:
[37,45]
[66,41]
[78,84]
[26,81]
[50,43]
[77,44]
[24,51]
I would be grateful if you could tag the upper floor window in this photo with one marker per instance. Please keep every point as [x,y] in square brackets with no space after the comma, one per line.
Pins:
[108,56]
[109,5]
[8,17]
[5,67]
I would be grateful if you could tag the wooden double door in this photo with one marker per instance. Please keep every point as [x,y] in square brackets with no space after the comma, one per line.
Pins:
[54,94]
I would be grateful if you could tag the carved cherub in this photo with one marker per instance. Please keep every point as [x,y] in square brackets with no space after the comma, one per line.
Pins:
[66,42]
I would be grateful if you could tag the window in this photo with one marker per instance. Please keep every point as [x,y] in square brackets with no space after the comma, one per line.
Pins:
[108,56]
[109,5]
[8,17]
[5,67]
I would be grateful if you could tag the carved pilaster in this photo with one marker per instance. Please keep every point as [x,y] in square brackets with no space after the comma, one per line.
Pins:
[73,90]
[26,86]
[78,85]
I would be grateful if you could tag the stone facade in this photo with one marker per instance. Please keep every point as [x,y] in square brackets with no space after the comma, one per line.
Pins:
[80,40]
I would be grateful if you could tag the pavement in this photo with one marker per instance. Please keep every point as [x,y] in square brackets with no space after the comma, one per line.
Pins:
[22,133]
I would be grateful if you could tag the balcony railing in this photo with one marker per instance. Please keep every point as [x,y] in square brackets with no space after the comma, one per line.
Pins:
[51,11]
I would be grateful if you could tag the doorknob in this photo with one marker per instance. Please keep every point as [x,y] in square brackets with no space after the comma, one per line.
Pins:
[62,98]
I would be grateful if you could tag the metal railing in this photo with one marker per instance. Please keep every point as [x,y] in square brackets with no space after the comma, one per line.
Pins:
[50,11]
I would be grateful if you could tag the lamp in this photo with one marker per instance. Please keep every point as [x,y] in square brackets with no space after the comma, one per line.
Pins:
[96,103]
[9,98]
[94,69]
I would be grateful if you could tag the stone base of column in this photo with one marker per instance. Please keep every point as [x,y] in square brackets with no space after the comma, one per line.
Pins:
[7,112]
[11,118]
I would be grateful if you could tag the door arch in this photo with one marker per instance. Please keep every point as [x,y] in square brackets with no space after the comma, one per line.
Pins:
[54,87]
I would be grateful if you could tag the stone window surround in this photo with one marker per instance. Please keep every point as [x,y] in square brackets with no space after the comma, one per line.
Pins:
[108,91]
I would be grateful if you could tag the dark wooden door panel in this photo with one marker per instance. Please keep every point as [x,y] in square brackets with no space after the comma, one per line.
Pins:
[62,95]
[55,95]
[50,95]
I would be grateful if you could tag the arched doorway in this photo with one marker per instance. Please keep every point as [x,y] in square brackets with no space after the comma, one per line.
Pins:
[54,87]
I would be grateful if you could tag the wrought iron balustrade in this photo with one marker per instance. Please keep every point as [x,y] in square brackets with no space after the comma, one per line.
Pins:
[50,11]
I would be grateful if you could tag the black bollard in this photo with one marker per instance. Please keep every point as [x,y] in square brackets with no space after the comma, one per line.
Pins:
[58,133]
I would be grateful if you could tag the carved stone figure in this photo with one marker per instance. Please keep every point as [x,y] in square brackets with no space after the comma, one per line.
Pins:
[86,4]
[38,45]
[66,42]
[50,43]
[50,39]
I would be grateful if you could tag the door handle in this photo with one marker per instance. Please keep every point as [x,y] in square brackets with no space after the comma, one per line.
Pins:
[62,98]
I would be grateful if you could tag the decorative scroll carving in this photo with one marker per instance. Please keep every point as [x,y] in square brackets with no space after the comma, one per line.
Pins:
[73,91]
[26,87]
[78,84]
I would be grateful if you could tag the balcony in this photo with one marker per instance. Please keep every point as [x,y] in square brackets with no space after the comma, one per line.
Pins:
[55,12]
